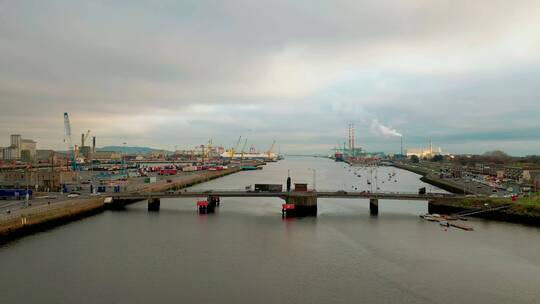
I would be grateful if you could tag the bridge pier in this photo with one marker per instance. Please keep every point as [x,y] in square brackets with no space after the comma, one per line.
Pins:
[305,204]
[209,205]
[153,204]
[374,206]
[216,200]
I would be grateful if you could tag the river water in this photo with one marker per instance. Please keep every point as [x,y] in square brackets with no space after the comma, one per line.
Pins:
[246,253]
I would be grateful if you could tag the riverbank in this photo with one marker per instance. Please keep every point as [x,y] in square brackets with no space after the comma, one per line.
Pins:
[524,210]
[43,217]
[34,219]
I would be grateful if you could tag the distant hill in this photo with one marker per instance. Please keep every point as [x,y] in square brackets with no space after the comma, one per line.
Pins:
[129,150]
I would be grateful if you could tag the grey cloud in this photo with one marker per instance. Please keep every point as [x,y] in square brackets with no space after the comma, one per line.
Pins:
[429,68]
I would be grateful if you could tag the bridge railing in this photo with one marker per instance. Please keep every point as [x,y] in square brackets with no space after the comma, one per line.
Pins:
[327,192]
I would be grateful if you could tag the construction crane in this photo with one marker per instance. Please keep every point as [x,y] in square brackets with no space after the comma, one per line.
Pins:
[69,142]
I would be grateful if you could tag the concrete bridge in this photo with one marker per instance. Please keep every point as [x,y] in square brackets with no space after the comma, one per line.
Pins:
[297,203]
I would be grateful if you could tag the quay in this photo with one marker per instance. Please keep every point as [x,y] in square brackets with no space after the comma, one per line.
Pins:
[46,213]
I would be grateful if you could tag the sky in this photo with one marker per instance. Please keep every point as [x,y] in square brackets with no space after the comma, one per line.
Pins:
[168,74]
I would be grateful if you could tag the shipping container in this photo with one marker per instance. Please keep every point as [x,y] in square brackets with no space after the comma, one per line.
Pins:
[189,169]
[268,187]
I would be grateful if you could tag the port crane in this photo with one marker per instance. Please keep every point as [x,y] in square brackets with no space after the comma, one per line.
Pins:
[243,150]
[269,152]
[69,142]
[235,147]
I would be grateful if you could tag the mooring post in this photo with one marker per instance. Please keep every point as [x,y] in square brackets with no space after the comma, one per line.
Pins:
[374,206]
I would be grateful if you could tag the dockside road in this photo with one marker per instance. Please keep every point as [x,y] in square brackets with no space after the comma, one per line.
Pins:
[457,186]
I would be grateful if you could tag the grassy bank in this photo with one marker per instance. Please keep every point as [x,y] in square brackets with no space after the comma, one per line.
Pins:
[524,205]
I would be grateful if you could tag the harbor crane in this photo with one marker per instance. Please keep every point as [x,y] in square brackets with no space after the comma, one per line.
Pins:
[69,142]
[269,152]
[243,150]
[235,147]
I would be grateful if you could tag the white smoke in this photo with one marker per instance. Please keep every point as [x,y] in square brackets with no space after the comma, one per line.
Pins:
[379,129]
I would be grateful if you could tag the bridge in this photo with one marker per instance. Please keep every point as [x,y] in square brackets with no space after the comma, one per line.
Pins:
[297,203]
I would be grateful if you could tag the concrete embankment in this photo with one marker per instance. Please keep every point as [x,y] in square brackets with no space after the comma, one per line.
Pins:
[39,218]
[523,210]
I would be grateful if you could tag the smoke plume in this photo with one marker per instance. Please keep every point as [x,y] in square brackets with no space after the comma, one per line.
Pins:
[379,129]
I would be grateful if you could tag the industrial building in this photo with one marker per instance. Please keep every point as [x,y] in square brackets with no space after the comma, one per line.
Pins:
[107,155]
[350,152]
[428,152]
[37,179]
[19,149]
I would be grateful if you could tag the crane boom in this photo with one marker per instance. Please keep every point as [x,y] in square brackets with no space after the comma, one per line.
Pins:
[235,148]
[271,147]
[68,141]
[237,143]
[244,148]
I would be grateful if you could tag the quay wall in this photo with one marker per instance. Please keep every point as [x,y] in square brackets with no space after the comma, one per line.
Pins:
[40,218]
[44,217]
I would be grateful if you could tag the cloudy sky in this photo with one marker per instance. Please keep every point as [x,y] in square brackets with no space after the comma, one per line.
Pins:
[176,73]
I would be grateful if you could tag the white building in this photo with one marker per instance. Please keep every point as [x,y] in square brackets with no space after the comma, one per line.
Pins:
[17,146]
[30,146]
